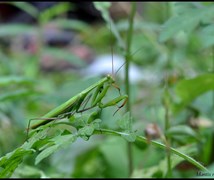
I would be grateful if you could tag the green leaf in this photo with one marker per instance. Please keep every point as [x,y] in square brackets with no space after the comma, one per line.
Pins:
[113,150]
[15,29]
[207,36]
[17,94]
[55,10]
[186,20]
[124,122]
[29,171]
[12,160]
[96,123]
[103,7]
[161,146]
[174,151]
[178,23]
[189,89]
[59,142]
[85,119]
[11,80]
[181,130]
[65,55]
[71,24]
[160,169]
[45,153]
[89,164]
[181,8]
[86,131]
[79,121]
[27,7]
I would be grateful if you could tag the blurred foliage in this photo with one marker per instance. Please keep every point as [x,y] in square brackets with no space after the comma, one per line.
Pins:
[175,45]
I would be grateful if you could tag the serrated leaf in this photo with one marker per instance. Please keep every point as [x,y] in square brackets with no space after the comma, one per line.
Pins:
[96,123]
[79,121]
[12,160]
[176,24]
[59,142]
[45,153]
[86,131]
[189,89]
[124,122]
[187,20]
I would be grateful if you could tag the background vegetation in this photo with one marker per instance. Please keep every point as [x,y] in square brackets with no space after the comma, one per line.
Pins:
[172,103]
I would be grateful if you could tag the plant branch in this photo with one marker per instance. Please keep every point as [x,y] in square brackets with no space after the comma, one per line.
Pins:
[127,83]
[155,144]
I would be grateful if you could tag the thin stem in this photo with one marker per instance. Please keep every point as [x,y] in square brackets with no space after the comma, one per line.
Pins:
[127,83]
[155,144]
[167,126]
[167,123]
[213,71]
[167,107]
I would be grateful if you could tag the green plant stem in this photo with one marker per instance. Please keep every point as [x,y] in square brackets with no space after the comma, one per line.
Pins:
[127,83]
[167,126]
[213,71]
[155,144]
[167,106]
[167,123]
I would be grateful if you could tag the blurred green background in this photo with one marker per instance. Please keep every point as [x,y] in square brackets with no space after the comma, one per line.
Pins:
[45,56]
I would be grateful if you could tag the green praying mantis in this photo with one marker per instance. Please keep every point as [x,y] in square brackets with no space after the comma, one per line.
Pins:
[74,104]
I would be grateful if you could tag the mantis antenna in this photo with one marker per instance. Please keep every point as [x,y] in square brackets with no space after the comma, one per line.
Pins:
[125,61]
[112,58]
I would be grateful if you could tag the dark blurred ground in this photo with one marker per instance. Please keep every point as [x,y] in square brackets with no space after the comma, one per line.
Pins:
[84,11]
[54,37]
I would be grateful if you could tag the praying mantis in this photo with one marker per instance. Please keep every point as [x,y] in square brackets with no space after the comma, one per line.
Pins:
[73,105]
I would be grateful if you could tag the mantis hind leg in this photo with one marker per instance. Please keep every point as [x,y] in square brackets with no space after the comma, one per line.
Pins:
[28,127]
[85,102]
